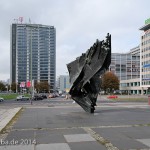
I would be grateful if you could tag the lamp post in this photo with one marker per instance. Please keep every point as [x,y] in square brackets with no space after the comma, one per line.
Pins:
[31,80]
[31,64]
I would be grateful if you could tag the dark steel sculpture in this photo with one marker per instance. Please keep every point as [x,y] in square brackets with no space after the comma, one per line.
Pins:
[85,73]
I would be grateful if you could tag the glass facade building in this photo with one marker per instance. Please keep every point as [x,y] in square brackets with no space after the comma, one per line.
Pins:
[63,83]
[126,65]
[127,68]
[33,53]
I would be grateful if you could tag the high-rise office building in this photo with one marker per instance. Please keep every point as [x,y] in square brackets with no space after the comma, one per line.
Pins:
[33,53]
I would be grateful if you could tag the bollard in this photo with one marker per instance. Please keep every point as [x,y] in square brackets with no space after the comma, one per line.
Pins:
[31,101]
[149,100]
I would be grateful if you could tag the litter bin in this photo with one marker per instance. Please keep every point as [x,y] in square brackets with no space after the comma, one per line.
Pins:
[149,100]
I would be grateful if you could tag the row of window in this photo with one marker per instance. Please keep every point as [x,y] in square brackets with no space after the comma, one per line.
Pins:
[145,82]
[34,28]
[146,42]
[146,76]
[146,49]
[145,62]
[146,35]
[130,84]
[146,55]
[35,47]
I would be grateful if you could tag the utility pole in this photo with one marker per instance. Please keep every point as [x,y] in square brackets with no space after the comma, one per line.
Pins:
[31,63]
[31,78]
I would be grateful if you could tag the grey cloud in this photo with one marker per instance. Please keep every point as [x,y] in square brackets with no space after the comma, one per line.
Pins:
[78,24]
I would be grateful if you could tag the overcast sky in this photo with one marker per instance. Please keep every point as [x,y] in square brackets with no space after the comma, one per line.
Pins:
[78,24]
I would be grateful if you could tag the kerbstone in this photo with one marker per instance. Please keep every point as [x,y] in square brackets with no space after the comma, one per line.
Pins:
[144,141]
[7,115]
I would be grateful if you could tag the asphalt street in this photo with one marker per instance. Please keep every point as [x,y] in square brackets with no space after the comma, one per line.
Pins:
[59,124]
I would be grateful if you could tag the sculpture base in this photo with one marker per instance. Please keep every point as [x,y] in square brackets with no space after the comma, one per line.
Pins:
[85,103]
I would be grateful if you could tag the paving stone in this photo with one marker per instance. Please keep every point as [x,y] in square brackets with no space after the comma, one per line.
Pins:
[120,137]
[45,137]
[54,146]
[17,147]
[86,146]
[78,138]
[21,136]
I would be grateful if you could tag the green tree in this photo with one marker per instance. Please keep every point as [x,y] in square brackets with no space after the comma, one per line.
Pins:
[13,87]
[110,82]
[42,87]
[2,86]
[37,86]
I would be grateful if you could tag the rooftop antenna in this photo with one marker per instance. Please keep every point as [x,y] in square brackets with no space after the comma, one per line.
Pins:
[16,21]
[21,19]
[29,21]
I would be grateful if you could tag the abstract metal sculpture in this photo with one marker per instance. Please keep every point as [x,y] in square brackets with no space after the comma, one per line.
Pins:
[85,73]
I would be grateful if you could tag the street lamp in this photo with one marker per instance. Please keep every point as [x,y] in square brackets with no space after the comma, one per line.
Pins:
[31,63]
[31,80]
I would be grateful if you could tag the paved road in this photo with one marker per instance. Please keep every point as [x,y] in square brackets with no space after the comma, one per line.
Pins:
[63,125]
[59,101]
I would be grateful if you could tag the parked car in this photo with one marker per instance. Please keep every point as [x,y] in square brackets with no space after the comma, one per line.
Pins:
[22,98]
[44,96]
[112,96]
[56,94]
[63,96]
[51,95]
[37,97]
[1,99]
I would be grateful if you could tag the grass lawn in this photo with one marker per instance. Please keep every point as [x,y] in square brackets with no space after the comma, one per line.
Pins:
[130,98]
[11,96]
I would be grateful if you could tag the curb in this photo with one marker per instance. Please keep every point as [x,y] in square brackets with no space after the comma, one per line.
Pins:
[11,114]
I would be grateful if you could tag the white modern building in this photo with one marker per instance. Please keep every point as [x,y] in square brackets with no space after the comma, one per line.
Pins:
[127,68]
[126,65]
[145,56]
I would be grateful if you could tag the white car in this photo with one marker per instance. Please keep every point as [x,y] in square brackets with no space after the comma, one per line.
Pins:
[1,99]
[22,98]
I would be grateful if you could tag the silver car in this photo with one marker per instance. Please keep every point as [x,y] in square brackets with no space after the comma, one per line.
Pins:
[22,98]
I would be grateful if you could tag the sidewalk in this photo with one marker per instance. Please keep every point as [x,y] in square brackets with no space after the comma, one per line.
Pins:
[6,115]
[70,128]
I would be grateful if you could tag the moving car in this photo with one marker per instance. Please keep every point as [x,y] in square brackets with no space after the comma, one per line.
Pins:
[22,98]
[1,99]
